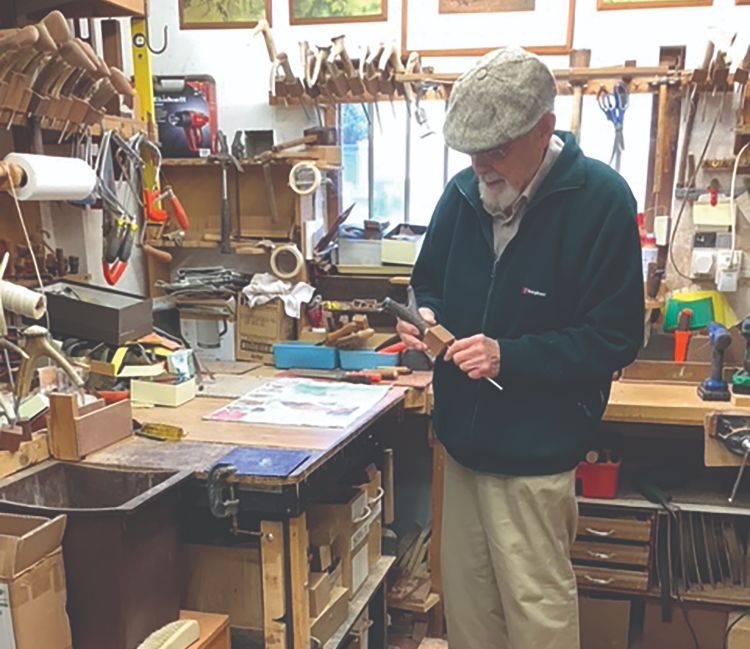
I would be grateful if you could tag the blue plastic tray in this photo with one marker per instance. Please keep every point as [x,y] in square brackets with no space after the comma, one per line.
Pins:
[365,359]
[304,356]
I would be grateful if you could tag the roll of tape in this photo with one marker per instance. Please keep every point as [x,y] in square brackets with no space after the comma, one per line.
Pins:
[286,254]
[52,178]
[304,178]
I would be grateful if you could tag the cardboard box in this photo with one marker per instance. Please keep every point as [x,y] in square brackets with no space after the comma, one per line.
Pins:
[334,615]
[259,328]
[186,115]
[32,583]
[604,623]
[401,245]
[319,591]
[163,394]
[343,522]
[709,625]
[375,493]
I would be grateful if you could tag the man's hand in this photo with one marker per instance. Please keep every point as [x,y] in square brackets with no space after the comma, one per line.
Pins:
[410,334]
[478,356]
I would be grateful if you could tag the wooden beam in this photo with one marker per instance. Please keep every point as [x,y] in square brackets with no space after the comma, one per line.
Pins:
[299,578]
[274,584]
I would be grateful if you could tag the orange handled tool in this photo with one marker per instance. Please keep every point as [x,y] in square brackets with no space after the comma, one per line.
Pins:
[155,214]
[682,336]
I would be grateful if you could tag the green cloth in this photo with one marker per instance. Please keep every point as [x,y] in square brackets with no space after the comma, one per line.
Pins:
[565,301]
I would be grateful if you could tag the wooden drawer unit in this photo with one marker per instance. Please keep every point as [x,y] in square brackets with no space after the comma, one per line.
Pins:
[595,577]
[610,553]
[615,529]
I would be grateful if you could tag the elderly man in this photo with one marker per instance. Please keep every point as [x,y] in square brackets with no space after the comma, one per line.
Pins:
[532,260]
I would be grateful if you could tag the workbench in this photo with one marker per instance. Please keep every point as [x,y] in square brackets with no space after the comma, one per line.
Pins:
[271,510]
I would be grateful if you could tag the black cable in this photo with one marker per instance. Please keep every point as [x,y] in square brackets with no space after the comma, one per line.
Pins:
[731,626]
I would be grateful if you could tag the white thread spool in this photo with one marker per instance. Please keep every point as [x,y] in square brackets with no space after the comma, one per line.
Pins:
[21,300]
[305,178]
[291,259]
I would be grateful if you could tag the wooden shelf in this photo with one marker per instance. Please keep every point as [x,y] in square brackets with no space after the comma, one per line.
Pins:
[88,8]
[238,247]
[431,602]
[125,126]
[722,595]
[357,605]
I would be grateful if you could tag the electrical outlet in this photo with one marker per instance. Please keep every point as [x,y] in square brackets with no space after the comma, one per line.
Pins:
[727,280]
[726,261]
[702,262]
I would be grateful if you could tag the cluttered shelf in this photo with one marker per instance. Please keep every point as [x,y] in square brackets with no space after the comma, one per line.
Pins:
[707,492]
[357,605]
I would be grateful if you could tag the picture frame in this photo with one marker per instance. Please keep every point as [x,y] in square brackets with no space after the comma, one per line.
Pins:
[223,14]
[309,12]
[608,5]
[742,2]
[422,24]
[484,6]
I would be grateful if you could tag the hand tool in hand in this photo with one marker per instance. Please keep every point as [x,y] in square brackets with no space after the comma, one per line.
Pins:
[682,336]
[613,105]
[436,337]
[715,387]
[741,378]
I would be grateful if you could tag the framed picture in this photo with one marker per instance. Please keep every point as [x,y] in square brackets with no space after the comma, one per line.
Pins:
[223,14]
[743,2]
[650,4]
[318,12]
[484,6]
[474,27]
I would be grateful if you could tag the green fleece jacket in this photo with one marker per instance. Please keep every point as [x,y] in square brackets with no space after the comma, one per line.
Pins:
[564,301]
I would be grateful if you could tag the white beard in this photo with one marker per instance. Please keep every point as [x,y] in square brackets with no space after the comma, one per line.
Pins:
[497,199]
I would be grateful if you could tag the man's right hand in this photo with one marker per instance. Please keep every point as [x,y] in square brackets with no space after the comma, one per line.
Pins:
[410,334]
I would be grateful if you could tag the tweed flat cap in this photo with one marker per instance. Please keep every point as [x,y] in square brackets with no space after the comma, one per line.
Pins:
[500,99]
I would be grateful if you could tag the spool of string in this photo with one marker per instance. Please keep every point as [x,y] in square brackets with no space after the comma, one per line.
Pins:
[22,301]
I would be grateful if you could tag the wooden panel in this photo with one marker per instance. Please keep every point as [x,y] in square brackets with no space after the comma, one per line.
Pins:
[620,529]
[214,630]
[658,404]
[274,584]
[63,441]
[29,453]
[617,553]
[104,427]
[610,579]
[223,580]
[300,578]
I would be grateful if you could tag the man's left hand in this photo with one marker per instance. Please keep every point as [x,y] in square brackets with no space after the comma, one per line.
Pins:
[478,356]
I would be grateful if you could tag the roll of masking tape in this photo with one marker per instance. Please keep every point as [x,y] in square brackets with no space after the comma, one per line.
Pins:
[286,261]
[304,178]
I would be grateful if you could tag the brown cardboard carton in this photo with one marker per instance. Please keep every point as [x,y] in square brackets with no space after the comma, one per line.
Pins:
[32,584]
[605,623]
[259,328]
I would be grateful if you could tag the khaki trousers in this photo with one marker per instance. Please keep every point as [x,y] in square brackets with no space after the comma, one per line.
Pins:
[508,582]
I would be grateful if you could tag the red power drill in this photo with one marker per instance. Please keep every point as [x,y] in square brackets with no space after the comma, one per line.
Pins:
[191,122]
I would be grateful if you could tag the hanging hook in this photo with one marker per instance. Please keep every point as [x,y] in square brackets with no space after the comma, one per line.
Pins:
[144,40]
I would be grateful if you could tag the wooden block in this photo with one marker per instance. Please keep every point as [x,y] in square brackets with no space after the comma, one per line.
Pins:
[214,630]
[29,453]
[75,434]
[320,592]
[438,339]
[332,617]
[741,400]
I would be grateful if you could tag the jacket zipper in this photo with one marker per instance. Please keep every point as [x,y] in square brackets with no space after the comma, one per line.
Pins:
[491,289]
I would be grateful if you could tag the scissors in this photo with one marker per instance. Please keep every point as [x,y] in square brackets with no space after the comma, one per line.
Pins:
[613,105]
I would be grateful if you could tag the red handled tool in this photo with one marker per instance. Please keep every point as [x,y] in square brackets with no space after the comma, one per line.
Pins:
[119,237]
[156,214]
[682,336]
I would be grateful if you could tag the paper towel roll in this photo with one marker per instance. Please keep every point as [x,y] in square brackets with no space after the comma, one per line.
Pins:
[51,178]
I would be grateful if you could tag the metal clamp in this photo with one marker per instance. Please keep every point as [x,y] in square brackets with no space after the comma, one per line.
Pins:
[218,482]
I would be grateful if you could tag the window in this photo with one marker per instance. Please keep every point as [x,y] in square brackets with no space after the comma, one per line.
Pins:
[395,163]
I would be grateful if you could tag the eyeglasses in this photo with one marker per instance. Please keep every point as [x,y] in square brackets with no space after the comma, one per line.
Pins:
[493,155]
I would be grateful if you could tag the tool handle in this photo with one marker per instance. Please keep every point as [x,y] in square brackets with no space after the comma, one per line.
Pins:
[402,313]
[179,212]
[161,255]
[226,227]
[126,249]
[57,26]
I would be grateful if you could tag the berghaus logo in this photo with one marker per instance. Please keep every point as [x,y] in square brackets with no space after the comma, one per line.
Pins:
[530,291]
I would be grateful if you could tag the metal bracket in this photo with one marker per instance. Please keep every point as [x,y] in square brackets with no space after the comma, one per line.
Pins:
[218,484]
